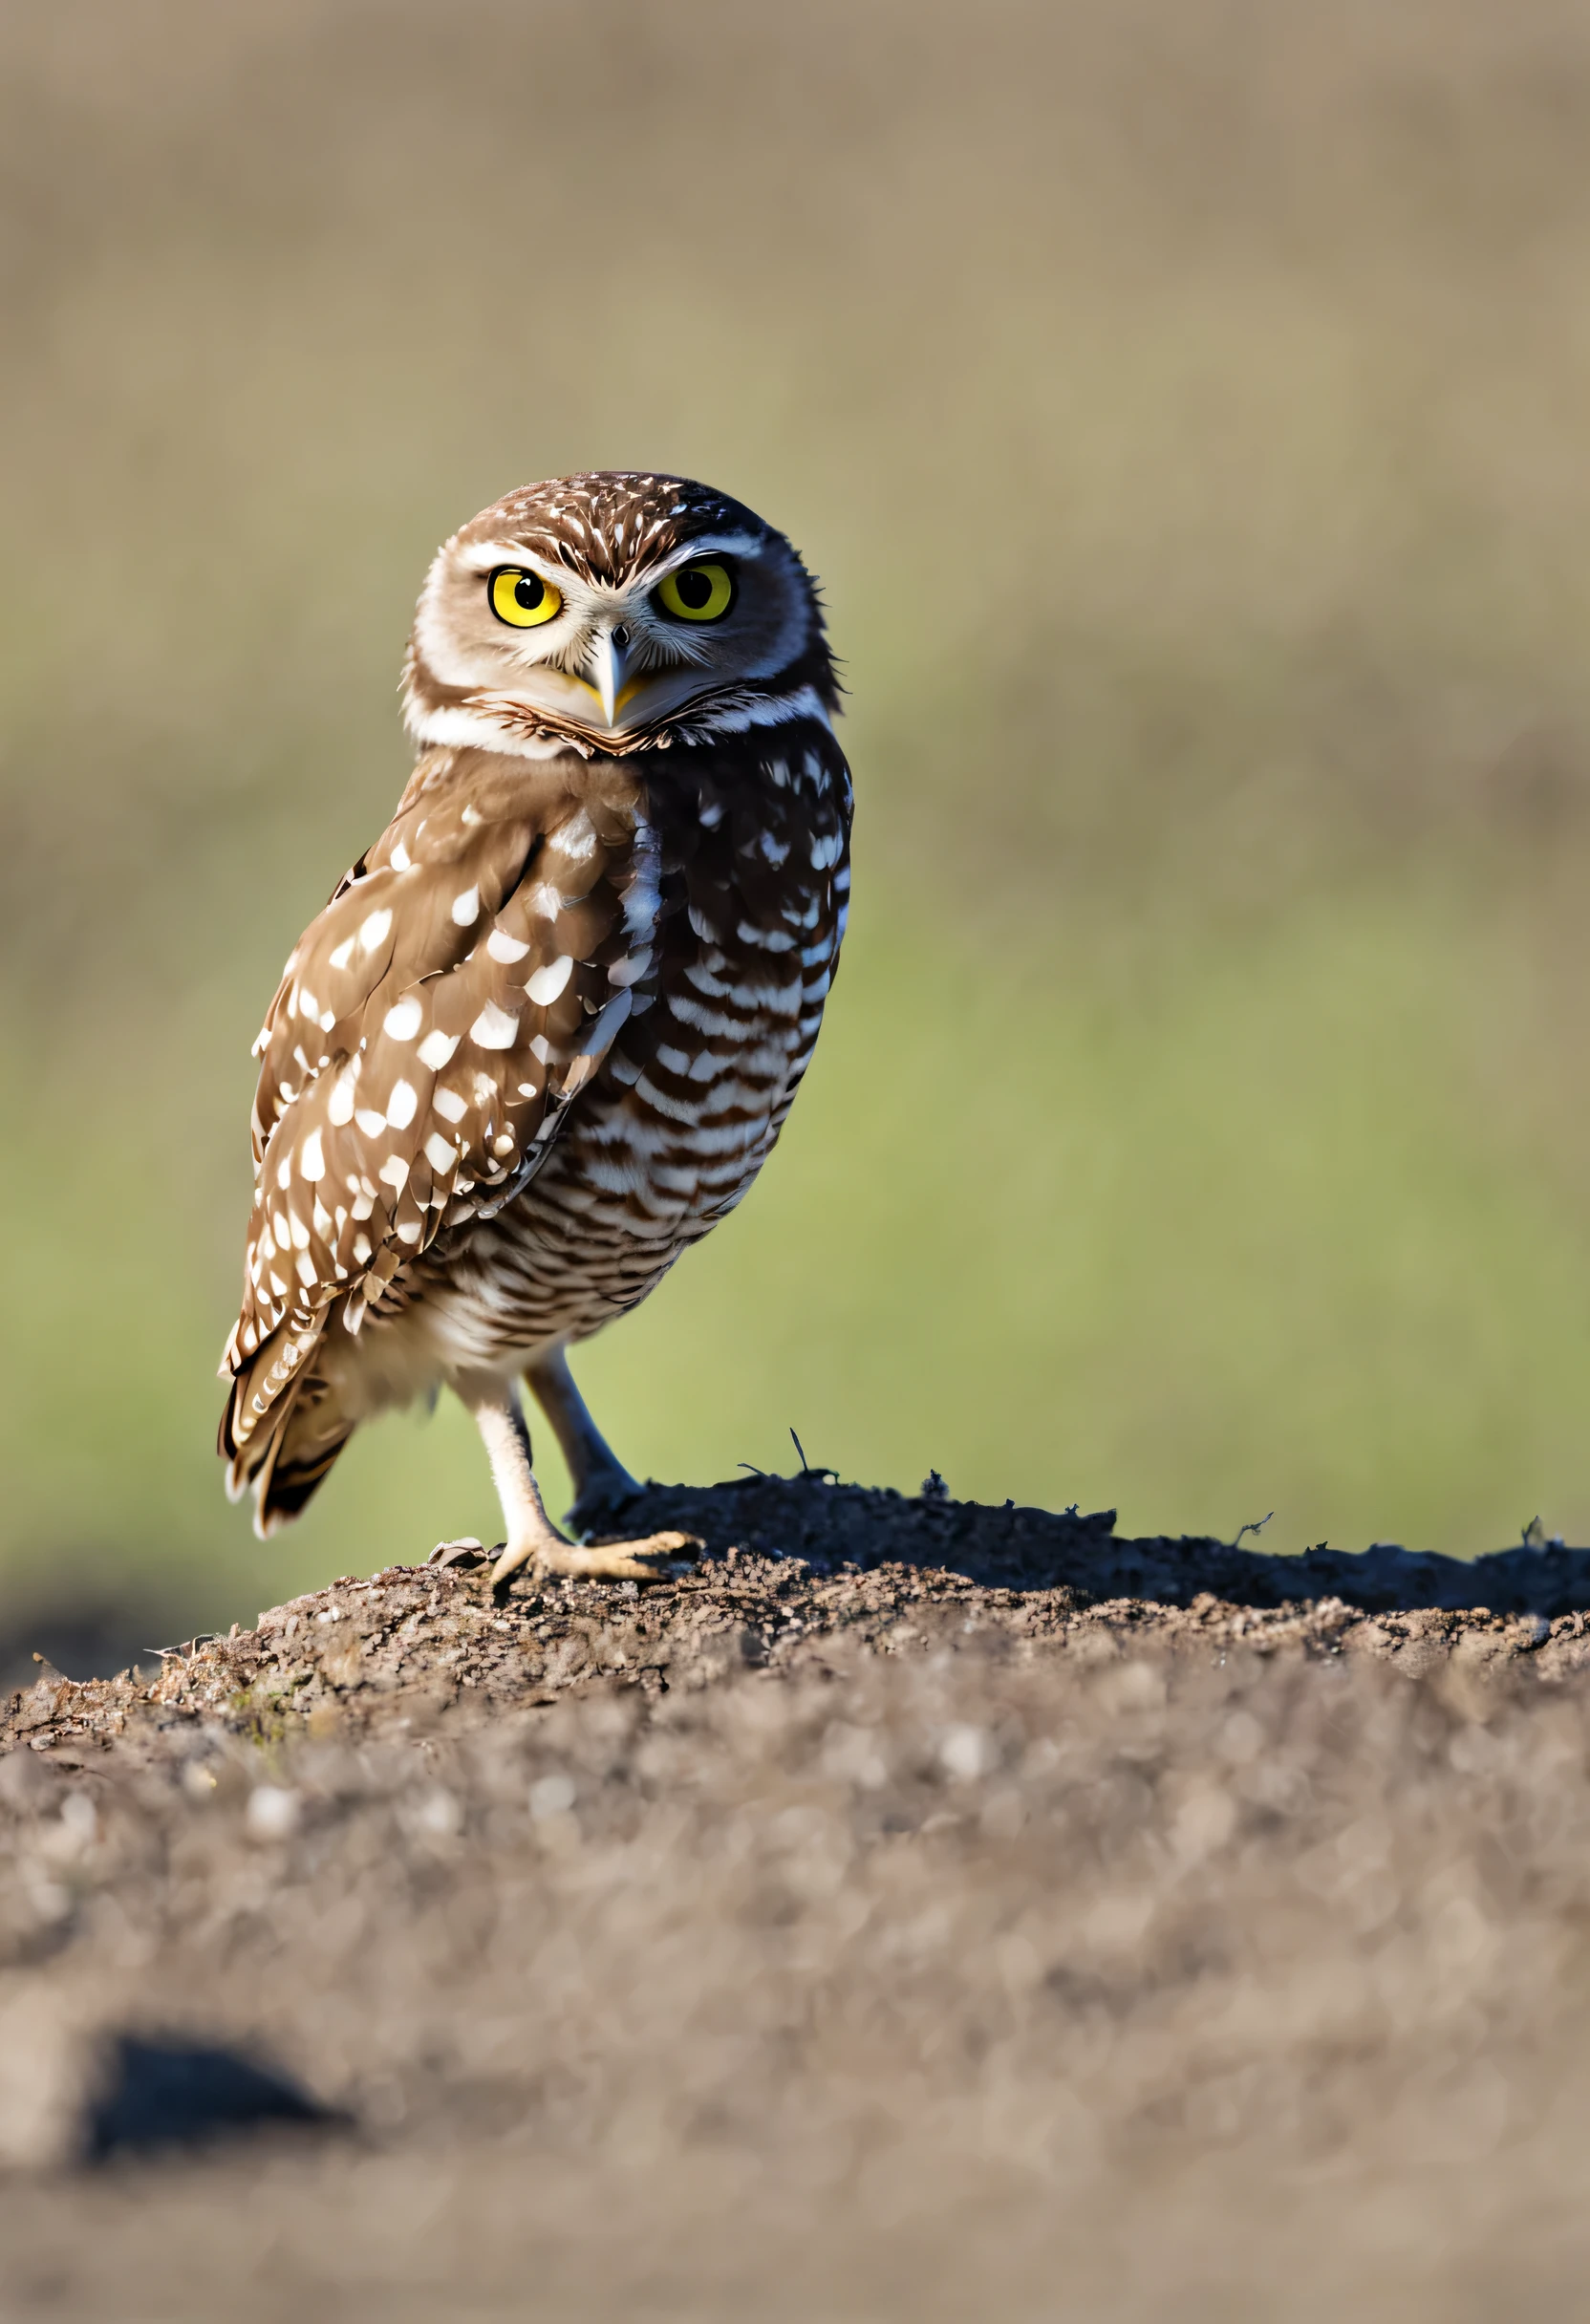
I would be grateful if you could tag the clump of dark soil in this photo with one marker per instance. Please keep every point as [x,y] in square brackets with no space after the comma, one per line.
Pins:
[912,1909]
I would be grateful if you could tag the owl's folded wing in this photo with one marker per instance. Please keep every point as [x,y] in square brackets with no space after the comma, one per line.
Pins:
[431,1027]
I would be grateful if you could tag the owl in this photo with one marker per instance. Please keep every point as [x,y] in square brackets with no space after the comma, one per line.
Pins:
[549,1028]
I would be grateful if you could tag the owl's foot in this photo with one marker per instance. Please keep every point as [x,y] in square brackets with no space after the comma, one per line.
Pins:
[597,1506]
[643,1561]
[533,1539]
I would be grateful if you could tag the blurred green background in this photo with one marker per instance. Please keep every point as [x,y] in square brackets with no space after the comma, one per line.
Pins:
[1185,403]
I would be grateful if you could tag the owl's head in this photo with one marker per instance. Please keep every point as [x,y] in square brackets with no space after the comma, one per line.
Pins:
[606,610]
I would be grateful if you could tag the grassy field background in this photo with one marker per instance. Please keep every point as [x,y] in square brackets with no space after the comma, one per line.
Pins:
[1186,409]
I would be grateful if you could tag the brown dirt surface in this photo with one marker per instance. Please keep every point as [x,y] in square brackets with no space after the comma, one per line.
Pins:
[912,1909]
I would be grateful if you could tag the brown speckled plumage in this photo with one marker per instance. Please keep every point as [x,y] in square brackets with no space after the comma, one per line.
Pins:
[549,1027]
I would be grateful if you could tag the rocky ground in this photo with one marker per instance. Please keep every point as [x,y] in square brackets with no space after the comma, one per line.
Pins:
[906,1909]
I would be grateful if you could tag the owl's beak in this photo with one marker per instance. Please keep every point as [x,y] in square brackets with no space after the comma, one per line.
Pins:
[607,659]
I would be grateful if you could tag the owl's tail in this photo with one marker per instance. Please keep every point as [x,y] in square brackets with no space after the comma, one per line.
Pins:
[283,1426]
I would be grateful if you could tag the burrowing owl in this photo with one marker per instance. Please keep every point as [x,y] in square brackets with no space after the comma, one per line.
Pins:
[548,1028]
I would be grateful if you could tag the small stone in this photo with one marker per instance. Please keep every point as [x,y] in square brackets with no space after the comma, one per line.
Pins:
[551,1796]
[272,1813]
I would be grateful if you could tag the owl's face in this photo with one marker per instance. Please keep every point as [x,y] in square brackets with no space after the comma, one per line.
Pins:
[601,606]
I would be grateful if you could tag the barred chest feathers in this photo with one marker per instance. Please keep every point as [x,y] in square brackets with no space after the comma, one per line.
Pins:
[733,903]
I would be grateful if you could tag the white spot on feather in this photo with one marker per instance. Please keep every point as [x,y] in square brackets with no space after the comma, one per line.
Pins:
[494,1028]
[577,839]
[548,983]
[312,1158]
[439,1152]
[402,1021]
[435,1050]
[394,1173]
[401,1106]
[400,859]
[344,953]
[449,1105]
[466,906]
[374,929]
[371,1123]
[505,948]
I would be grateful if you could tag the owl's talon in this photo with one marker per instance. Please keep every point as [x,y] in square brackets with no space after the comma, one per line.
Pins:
[642,1561]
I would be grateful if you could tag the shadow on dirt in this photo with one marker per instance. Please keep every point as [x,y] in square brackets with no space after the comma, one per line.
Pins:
[158,2095]
[833,1525]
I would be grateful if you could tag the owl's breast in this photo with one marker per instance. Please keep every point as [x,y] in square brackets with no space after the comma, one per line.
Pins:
[733,920]
[754,880]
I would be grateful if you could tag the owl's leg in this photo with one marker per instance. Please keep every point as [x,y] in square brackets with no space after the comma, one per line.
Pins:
[602,1484]
[533,1539]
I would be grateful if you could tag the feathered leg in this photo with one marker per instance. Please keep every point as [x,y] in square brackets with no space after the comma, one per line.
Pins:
[602,1484]
[533,1539]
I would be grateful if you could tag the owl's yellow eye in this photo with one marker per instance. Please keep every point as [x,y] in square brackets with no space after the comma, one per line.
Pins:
[521,599]
[698,592]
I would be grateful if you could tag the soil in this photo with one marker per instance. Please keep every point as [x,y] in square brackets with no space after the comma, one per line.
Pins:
[908,1908]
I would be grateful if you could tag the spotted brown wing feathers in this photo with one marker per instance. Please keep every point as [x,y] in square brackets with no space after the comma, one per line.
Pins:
[432,1028]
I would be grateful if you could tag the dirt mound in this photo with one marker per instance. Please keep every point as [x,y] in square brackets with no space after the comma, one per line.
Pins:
[788,1567]
[892,1915]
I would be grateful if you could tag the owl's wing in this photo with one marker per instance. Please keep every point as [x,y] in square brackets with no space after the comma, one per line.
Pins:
[432,1026]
